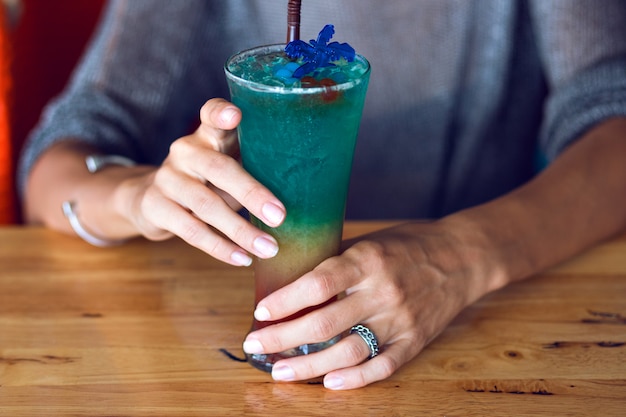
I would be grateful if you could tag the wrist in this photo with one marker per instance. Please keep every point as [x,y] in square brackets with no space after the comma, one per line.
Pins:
[487,255]
[102,200]
[71,214]
[126,196]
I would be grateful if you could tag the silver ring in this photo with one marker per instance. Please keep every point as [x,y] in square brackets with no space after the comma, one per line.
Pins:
[368,337]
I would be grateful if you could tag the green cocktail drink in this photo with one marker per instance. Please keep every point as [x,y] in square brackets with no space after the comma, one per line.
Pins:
[297,137]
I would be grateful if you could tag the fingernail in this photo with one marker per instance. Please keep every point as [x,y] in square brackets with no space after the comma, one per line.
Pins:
[266,246]
[262,314]
[283,373]
[252,346]
[228,114]
[273,214]
[333,382]
[241,258]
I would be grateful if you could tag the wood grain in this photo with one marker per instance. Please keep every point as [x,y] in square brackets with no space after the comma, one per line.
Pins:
[137,330]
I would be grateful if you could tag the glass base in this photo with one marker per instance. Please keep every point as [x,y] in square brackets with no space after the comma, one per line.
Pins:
[265,362]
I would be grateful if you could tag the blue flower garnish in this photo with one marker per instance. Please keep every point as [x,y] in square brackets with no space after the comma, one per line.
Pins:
[318,53]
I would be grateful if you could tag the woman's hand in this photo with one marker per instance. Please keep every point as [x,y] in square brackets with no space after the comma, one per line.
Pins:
[196,192]
[405,284]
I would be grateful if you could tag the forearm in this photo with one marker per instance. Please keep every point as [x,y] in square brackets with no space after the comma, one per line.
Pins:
[575,202]
[61,175]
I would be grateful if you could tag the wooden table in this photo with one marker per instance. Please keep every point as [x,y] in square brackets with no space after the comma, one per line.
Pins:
[137,331]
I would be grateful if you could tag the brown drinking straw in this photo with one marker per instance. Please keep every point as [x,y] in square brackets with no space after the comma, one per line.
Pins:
[293,20]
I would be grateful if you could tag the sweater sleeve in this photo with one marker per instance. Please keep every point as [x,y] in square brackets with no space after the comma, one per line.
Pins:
[138,87]
[583,48]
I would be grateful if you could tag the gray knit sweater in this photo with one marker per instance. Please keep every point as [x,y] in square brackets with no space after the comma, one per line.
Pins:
[465,96]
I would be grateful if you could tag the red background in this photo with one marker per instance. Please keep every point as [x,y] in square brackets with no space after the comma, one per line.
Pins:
[48,40]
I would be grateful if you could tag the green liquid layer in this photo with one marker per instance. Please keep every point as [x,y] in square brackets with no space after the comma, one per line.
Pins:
[299,143]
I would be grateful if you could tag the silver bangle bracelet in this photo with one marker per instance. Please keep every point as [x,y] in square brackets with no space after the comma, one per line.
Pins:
[70,213]
[94,164]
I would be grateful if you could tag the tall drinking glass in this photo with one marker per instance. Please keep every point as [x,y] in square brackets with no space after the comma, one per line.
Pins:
[298,140]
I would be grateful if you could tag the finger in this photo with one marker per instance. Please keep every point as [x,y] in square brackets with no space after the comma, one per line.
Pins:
[167,215]
[218,120]
[213,210]
[327,280]
[317,326]
[225,173]
[375,369]
[220,113]
[348,352]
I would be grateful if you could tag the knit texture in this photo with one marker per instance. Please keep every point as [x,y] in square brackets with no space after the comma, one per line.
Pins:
[464,95]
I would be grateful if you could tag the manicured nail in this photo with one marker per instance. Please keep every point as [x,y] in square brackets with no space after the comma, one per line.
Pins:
[241,258]
[228,114]
[262,314]
[266,246]
[333,382]
[252,346]
[283,373]
[273,214]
